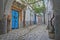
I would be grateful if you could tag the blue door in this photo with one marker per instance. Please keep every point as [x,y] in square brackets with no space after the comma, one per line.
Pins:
[15,19]
[35,19]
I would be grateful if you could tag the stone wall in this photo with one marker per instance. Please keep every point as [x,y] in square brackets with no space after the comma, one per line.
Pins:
[56,4]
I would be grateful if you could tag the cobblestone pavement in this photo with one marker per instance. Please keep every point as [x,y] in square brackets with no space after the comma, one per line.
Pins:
[38,33]
[14,34]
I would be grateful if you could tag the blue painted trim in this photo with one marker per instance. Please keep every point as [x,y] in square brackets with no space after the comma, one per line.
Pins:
[35,19]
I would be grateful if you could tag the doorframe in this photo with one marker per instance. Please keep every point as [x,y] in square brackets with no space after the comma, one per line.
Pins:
[20,12]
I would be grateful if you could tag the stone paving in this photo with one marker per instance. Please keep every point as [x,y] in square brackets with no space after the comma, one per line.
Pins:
[13,35]
[38,33]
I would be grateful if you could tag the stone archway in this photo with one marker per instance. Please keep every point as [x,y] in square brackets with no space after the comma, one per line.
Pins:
[5,10]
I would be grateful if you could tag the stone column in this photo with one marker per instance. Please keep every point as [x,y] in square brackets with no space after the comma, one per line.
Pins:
[56,4]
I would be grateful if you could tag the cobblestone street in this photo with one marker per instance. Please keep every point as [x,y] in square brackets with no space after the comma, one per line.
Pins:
[37,33]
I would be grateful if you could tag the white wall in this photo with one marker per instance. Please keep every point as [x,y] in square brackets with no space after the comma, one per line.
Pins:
[32,16]
[27,15]
[49,10]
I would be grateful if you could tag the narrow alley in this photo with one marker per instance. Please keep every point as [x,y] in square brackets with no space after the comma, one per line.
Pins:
[37,33]
[29,20]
